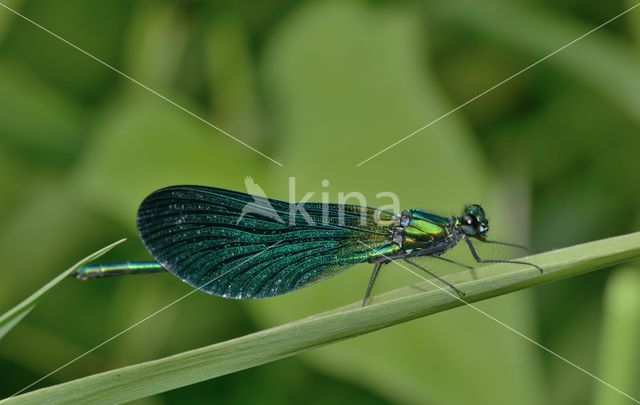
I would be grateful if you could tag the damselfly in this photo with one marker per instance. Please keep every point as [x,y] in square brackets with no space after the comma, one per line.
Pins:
[238,245]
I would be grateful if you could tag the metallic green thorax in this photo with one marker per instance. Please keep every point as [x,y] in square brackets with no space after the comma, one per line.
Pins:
[415,229]
[422,228]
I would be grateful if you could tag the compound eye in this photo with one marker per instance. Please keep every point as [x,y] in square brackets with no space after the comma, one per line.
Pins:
[471,220]
[484,226]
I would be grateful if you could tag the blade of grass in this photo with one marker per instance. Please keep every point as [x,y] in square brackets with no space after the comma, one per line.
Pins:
[10,318]
[401,305]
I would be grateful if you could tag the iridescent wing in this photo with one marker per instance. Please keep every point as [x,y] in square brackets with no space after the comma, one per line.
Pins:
[238,245]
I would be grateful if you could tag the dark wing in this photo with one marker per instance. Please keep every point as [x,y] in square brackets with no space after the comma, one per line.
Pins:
[237,245]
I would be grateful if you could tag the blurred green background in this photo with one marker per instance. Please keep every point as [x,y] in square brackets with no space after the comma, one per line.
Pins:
[320,86]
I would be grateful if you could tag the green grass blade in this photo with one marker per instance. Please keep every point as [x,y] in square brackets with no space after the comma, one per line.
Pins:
[401,305]
[10,318]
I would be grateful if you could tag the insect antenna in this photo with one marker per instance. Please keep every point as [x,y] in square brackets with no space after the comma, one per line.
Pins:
[514,245]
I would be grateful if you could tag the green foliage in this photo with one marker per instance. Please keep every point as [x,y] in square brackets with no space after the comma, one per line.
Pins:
[619,349]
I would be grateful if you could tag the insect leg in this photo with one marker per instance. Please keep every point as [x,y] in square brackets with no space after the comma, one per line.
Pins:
[479,260]
[372,280]
[453,262]
[459,292]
